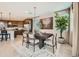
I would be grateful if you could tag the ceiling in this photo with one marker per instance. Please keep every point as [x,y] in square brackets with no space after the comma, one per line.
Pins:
[20,10]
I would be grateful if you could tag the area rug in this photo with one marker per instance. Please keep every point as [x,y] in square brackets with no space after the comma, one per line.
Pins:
[28,52]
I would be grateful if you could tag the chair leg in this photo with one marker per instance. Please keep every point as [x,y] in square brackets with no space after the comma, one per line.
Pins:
[53,49]
[56,45]
[22,42]
[56,41]
[34,46]
[6,37]
[27,44]
[2,38]
[9,36]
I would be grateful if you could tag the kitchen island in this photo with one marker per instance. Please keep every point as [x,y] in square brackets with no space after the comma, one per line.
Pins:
[11,32]
[14,31]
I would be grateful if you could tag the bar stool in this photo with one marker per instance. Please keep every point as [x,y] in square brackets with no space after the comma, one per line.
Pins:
[4,34]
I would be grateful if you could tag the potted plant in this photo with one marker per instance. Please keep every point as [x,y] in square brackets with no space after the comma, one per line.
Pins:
[61,25]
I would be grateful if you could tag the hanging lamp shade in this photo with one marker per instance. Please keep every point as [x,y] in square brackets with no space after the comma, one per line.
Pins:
[1,15]
[9,15]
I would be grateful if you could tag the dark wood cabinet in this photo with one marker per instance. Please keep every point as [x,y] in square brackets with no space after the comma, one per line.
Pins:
[18,32]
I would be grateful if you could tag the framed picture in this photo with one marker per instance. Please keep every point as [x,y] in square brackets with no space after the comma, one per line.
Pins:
[47,23]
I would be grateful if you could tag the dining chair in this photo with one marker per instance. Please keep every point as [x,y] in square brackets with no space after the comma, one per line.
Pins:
[29,39]
[52,42]
[24,40]
[5,35]
[25,34]
[32,40]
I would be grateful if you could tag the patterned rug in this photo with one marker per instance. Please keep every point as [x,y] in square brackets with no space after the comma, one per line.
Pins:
[28,52]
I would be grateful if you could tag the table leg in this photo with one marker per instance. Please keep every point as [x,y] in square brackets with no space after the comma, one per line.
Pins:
[41,43]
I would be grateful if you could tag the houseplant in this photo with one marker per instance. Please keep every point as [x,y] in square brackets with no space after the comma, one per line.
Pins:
[61,25]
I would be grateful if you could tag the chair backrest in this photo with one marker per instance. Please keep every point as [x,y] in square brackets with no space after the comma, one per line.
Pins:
[25,34]
[3,31]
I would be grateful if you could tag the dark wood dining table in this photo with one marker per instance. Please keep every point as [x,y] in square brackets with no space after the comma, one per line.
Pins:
[42,37]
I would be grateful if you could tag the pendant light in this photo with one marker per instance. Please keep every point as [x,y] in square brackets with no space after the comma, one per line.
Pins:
[1,15]
[9,18]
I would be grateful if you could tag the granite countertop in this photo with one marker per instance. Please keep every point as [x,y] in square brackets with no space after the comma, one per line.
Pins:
[15,28]
[11,29]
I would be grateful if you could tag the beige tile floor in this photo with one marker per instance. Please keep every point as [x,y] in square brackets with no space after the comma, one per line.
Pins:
[7,50]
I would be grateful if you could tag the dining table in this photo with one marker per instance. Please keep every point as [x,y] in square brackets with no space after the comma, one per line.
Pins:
[42,37]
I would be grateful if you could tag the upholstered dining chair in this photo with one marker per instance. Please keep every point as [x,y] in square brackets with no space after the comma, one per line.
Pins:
[29,39]
[25,33]
[32,40]
[24,40]
[52,42]
[4,34]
